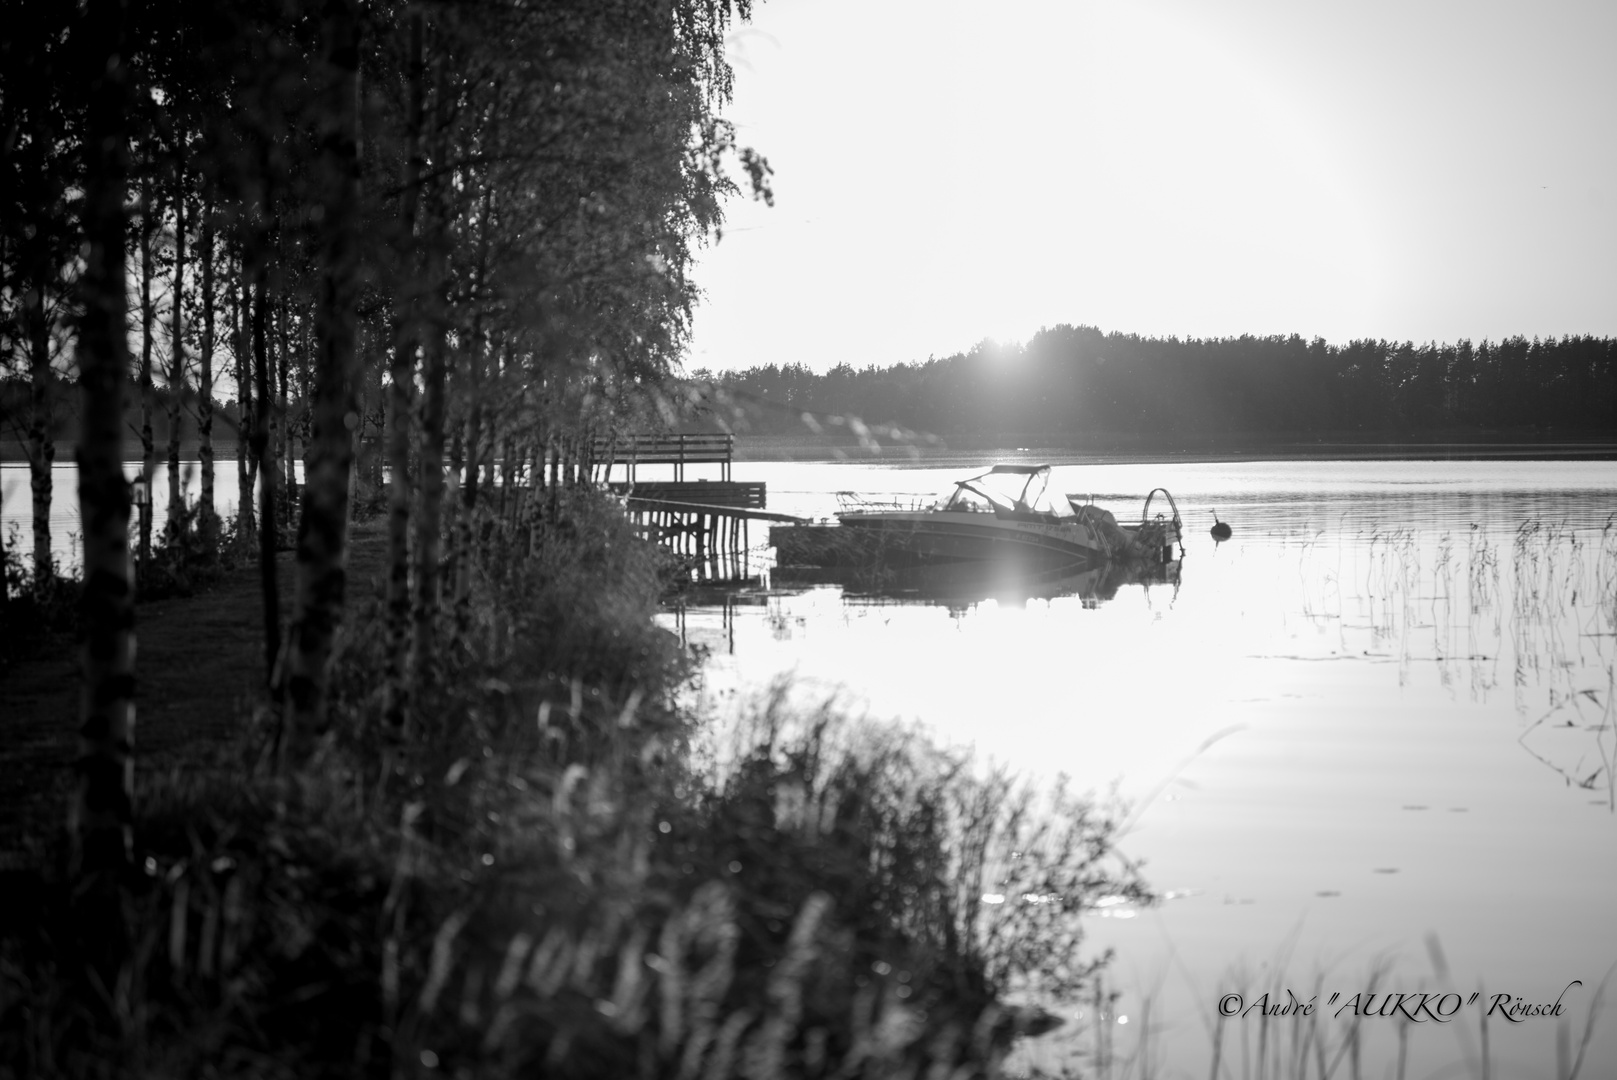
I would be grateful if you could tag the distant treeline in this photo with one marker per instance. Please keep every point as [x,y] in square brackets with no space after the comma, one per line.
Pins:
[64,422]
[1079,381]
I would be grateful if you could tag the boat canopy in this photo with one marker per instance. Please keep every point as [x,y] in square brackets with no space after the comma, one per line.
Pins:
[1012,488]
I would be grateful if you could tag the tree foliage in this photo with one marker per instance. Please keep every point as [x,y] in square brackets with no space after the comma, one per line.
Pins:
[492,206]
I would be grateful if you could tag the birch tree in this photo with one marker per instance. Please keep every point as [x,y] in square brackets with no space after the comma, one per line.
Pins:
[101,818]
[176,375]
[323,524]
[38,237]
[208,517]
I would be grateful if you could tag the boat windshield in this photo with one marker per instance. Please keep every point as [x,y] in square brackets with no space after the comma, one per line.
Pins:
[1024,488]
[963,498]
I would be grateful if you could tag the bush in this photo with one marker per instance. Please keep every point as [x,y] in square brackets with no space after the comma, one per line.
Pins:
[186,559]
[33,612]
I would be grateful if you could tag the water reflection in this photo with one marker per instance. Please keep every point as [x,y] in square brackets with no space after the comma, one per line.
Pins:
[961,586]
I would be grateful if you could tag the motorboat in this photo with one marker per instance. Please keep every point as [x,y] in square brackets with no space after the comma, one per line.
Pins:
[1151,542]
[1005,515]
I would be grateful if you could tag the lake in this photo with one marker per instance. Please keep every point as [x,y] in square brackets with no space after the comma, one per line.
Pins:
[1370,742]
[67,533]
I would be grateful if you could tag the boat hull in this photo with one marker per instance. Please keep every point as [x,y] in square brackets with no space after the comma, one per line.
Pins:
[937,538]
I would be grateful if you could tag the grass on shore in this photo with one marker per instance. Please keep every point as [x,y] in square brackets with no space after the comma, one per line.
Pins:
[40,612]
[545,877]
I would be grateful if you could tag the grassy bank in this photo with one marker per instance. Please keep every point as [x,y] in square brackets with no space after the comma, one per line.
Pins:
[41,614]
[544,874]
[199,625]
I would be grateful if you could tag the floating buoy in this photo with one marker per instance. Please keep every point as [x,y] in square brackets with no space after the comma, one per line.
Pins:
[1220,531]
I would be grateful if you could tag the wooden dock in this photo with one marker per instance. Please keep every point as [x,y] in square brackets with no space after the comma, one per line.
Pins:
[740,495]
[744,513]
[714,540]
[632,451]
[702,521]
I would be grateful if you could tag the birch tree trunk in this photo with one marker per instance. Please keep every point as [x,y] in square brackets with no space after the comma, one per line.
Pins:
[553,454]
[246,474]
[208,517]
[268,462]
[100,821]
[474,459]
[435,369]
[304,390]
[465,520]
[401,393]
[41,447]
[323,525]
[283,430]
[429,517]
[263,455]
[176,369]
[477,359]
[31,261]
[534,509]
[149,212]
[507,472]
[435,361]
[478,351]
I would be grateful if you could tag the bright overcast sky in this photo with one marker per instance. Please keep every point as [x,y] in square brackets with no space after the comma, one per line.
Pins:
[953,170]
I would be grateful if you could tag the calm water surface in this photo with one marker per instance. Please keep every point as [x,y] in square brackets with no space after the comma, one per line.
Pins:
[67,530]
[1369,738]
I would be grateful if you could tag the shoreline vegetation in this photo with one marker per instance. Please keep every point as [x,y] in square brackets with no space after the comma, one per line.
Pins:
[547,875]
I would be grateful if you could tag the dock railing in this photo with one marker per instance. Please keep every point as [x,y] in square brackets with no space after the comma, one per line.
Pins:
[632,451]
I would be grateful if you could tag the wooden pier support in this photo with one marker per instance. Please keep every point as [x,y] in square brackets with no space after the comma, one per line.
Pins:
[716,539]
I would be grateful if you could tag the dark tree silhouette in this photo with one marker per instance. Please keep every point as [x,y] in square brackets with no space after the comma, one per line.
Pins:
[1080,385]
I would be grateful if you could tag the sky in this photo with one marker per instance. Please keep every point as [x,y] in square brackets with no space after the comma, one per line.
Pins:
[949,171]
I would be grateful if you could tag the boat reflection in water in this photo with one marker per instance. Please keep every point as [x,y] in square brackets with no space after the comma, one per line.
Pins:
[962,584]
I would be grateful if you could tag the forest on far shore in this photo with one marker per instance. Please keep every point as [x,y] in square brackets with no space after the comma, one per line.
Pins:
[1077,381]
